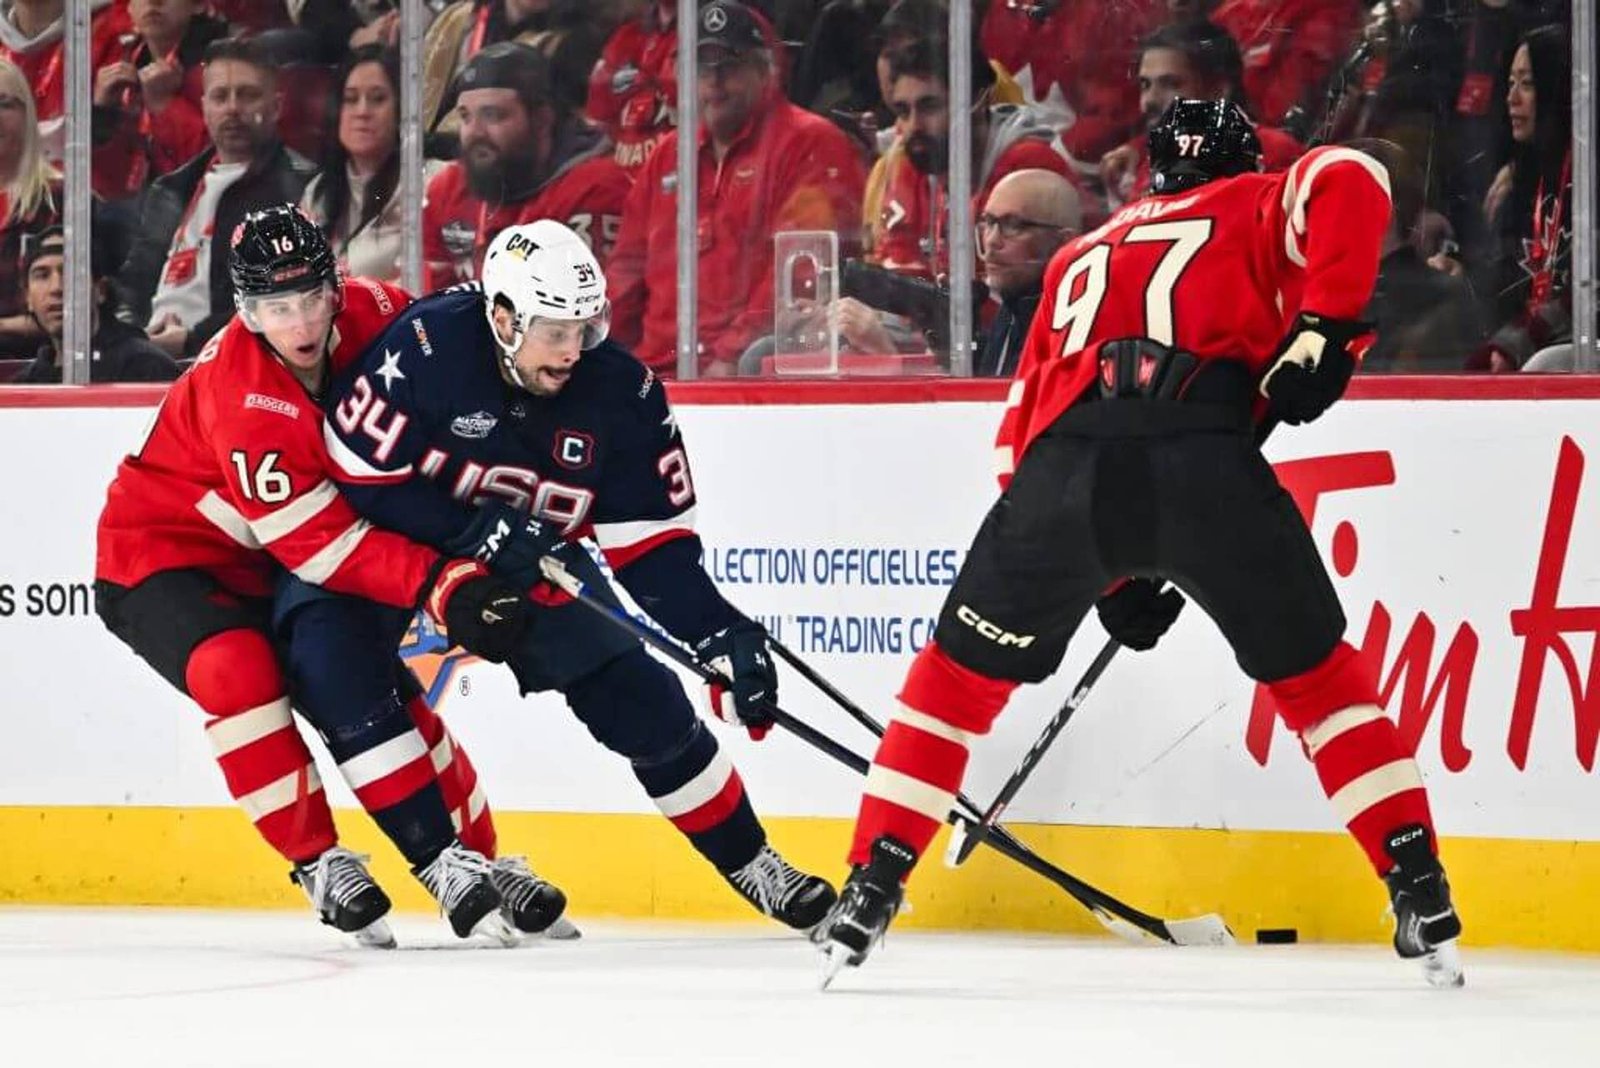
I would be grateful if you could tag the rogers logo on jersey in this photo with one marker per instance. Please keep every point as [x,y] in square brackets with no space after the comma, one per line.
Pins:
[272,404]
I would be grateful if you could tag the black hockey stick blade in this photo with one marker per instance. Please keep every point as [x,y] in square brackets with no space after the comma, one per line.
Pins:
[966,839]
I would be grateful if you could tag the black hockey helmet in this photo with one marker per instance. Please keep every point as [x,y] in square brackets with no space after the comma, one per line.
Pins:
[279,250]
[1195,141]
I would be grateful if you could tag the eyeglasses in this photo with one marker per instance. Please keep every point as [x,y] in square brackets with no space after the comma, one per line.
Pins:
[1010,227]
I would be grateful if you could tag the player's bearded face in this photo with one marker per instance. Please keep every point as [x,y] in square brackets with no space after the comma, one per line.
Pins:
[550,349]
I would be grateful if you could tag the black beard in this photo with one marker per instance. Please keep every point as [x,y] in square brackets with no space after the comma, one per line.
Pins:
[502,178]
[930,155]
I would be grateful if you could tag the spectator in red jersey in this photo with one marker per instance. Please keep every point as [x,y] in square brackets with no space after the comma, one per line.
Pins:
[525,155]
[172,278]
[30,37]
[568,32]
[908,232]
[1530,207]
[253,15]
[765,166]
[1072,57]
[147,118]
[633,92]
[1192,60]
[30,202]
[1290,48]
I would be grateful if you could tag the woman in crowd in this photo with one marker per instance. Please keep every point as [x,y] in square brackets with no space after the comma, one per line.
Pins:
[30,202]
[357,197]
[1530,207]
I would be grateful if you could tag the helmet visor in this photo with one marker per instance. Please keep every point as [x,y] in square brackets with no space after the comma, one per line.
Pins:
[273,313]
[560,333]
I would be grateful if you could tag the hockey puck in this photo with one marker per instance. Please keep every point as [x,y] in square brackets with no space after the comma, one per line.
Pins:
[1277,936]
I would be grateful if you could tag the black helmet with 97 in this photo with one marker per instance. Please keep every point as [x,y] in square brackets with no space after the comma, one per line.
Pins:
[1196,141]
[287,287]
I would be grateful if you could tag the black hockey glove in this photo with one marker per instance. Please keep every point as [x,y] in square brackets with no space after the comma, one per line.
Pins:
[740,653]
[482,613]
[1138,612]
[512,544]
[1311,368]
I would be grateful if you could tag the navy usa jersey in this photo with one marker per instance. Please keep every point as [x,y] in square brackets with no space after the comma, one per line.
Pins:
[424,428]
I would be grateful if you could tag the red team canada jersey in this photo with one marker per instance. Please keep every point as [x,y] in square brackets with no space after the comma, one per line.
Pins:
[1219,271]
[232,477]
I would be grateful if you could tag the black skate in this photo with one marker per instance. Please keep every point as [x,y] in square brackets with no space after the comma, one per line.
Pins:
[1426,924]
[529,903]
[461,881]
[870,900]
[782,891]
[346,897]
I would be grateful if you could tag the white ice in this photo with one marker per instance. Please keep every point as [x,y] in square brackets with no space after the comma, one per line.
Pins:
[128,988]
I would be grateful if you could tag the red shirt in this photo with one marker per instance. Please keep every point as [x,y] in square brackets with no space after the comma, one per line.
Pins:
[633,92]
[1079,59]
[788,170]
[457,227]
[910,233]
[1220,271]
[232,477]
[1289,47]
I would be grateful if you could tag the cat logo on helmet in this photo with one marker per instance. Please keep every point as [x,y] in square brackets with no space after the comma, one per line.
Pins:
[521,247]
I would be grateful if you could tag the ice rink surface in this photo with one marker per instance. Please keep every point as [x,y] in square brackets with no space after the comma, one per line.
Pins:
[130,988]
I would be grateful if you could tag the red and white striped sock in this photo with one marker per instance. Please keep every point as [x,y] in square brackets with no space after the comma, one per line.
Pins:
[918,767]
[458,779]
[1364,768]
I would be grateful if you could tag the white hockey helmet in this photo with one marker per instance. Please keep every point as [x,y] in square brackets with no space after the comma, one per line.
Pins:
[544,271]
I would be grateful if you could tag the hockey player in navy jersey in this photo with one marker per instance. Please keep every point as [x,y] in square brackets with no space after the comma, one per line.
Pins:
[494,420]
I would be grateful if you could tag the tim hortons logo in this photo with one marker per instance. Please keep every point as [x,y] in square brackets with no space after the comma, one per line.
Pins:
[1413,687]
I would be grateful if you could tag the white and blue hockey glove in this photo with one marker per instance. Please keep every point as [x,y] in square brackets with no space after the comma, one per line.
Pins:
[740,653]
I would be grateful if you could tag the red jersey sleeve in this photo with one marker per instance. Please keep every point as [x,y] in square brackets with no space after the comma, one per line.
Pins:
[1331,216]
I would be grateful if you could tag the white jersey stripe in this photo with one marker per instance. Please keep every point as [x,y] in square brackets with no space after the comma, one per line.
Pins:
[351,463]
[614,536]
[294,515]
[321,567]
[227,519]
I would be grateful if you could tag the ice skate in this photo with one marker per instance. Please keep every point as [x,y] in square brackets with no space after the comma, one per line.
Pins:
[870,900]
[782,891]
[528,903]
[1426,924]
[346,897]
[461,881]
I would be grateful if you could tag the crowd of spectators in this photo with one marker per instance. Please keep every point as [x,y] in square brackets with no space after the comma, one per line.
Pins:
[830,116]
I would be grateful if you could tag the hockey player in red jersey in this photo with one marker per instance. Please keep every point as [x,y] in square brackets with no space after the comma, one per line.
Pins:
[228,488]
[1128,459]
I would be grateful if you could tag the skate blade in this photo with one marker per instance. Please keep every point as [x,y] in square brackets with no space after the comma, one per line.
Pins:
[563,930]
[955,852]
[495,928]
[834,958]
[1442,967]
[375,935]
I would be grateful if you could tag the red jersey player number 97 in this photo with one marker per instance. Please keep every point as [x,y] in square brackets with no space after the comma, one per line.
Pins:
[1088,278]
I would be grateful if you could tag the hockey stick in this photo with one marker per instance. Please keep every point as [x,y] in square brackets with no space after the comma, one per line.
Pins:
[966,836]
[1117,916]
[1120,918]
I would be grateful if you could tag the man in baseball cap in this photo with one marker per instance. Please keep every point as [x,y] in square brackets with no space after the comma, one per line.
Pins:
[525,155]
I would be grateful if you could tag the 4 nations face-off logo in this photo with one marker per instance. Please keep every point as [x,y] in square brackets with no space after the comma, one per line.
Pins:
[435,662]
